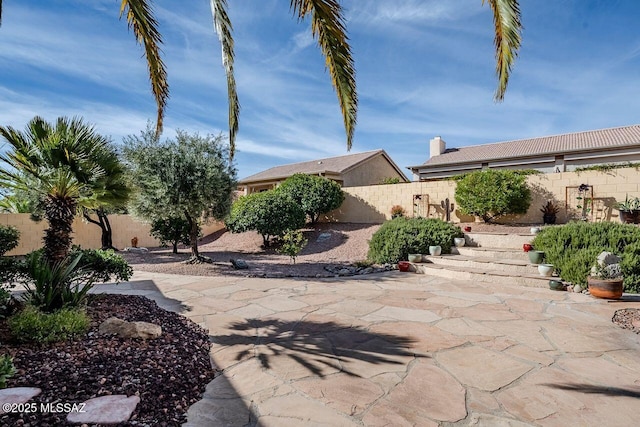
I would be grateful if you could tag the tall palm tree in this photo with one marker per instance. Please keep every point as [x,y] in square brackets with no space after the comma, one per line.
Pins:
[329,29]
[68,166]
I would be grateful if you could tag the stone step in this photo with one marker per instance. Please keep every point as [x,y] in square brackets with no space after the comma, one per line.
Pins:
[497,240]
[493,253]
[505,265]
[485,275]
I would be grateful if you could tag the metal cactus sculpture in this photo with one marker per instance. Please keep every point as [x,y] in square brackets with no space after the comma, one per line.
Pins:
[447,207]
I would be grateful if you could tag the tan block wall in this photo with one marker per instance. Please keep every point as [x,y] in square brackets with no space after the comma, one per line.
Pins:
[370,173]
[372,204]
[87,235]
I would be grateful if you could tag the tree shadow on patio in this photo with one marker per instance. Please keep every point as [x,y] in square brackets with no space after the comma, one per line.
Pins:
[317,346]
[594,389]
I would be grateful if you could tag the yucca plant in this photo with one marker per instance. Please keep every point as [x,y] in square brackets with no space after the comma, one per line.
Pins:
[51,287]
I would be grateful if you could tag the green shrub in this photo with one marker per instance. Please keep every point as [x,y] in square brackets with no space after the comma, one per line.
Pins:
[270,213]
[7,370]
[397,238]
[492,193]
[8,238]
[102,265]
[573,248]
[172,230]
[292,242]
[316,195]
[33,325]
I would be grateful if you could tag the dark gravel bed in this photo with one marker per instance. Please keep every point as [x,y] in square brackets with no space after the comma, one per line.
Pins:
[169,373]
[628,318]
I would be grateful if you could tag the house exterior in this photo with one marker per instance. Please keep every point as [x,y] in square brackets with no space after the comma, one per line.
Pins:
[548,154]
[370,167]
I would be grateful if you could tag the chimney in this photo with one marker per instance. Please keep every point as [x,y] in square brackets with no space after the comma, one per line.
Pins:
[436,146]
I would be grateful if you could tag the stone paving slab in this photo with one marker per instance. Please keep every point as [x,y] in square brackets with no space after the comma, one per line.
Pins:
[394,349]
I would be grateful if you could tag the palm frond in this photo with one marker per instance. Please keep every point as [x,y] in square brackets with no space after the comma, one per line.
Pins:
[145,28]
[328,27]
[508,27]
[0,12]
[223,28]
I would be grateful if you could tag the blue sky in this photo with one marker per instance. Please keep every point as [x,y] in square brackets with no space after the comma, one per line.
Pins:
[424,68]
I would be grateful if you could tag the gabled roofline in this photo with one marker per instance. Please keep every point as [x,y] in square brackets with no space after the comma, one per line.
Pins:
[386,156]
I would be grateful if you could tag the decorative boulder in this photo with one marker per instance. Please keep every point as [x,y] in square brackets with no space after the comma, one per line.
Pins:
[239,264]
[125,329]
[608,258]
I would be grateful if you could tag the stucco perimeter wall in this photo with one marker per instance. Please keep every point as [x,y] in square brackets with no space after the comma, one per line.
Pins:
[372,204]
[124,228]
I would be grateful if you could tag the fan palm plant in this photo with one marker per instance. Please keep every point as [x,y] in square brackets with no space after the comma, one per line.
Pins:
[69,166]
[328,27]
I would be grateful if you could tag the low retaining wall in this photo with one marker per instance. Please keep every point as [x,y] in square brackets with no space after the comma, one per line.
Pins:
[87,235]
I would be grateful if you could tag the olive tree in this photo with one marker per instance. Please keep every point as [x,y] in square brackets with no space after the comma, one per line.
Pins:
[188,177]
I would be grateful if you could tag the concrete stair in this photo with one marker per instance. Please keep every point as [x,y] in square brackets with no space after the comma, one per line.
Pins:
[495,258]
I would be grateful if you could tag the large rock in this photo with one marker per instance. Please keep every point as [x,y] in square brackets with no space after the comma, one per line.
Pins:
[608,258]
[17,395]
[125,329]
[112,409]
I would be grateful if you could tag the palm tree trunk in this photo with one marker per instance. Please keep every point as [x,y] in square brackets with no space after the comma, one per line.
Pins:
[59,212]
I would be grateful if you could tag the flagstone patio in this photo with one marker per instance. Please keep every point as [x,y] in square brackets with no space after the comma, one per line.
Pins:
[404,350]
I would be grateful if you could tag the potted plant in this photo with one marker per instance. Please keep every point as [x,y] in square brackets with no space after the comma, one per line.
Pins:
[435,250]
[536,257]
[549,211]
[397,211]
[629,210]
[415,257]
[545,269]
[404,265]
[606,280]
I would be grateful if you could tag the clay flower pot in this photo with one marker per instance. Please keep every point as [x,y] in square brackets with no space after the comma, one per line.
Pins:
[415,257]
[467,229]
[556,285]
[458,242]
[545,269]
[435,250]
[605,288]
[527,247]
[404,265]
[536,257]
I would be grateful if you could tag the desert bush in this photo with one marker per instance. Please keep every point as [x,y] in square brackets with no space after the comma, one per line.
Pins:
[270,213]
[316,195]
[8,238]
[492,193]
[573,248]
[292,242]
[7,370]
[172,230]
[397,238]
[33,325]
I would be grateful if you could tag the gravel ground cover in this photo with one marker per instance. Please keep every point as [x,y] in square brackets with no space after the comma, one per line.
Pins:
[169,373]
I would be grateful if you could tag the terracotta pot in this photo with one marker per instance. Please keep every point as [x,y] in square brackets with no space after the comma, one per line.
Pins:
[605,288]
[415,257]
[467,229]
[527,247]
[404,265]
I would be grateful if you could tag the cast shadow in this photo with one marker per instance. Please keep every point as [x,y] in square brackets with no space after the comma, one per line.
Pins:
[594,389]
[316,346]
